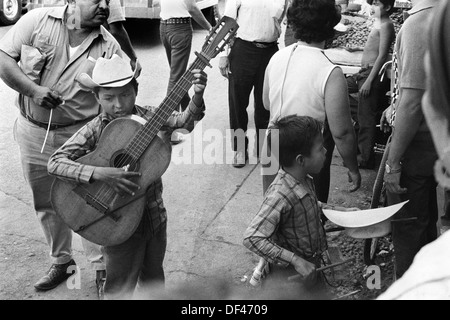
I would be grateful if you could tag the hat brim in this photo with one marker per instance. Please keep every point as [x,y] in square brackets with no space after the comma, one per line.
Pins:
[86,81]
[362,218]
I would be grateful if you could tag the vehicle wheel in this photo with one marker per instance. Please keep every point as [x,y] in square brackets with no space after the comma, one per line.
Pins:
[10,11]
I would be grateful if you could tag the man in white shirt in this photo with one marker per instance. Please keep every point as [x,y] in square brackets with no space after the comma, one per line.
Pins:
[256,42]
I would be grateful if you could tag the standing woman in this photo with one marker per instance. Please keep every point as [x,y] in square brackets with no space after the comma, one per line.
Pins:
[176,36]
[301,80]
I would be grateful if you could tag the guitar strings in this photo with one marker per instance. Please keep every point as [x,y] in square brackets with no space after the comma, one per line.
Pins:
[106,194]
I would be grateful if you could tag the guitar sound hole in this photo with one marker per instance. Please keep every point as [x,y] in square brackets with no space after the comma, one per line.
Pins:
[122,159]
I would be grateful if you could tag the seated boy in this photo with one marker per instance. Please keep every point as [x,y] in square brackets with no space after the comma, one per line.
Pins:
[367,81]
[287,231]
[140,258]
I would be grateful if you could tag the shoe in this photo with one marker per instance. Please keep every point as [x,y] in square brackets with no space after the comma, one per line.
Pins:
[100,284]
[57,274]
[239,159]
[176,138]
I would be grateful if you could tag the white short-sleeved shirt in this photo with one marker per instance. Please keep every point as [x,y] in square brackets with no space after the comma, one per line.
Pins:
[173,9]
[295,82]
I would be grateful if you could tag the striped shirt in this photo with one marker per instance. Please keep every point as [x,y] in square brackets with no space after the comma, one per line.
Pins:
[63,162]
[287,223]
[40,41]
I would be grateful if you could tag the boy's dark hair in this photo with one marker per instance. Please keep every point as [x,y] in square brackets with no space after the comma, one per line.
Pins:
[386,3]
[313,20]
[296,135]
[133,82]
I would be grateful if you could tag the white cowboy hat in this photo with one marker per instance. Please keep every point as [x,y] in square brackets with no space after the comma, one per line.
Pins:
[363,224]
[114,72]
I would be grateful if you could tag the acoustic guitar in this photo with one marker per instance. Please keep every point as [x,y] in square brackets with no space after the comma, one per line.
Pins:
[95,211]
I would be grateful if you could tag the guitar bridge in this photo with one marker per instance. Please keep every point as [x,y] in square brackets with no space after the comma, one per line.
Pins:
[99,206]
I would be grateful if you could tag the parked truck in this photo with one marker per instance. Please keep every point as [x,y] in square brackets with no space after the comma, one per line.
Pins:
[11,10]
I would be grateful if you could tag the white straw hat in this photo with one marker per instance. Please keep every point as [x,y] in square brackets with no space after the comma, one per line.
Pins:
[114,72]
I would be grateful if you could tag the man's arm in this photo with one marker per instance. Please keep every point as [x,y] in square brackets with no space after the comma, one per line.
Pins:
[118,31]
[14,77]
[408,119]
[231,10]
[197,14]
[338,115]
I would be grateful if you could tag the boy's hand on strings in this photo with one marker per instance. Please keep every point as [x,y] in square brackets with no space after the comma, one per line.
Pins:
[46,98]
[118,179]
[201,78]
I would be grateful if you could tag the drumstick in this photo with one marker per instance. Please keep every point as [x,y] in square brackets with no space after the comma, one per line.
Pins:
[48,129]
[297,276]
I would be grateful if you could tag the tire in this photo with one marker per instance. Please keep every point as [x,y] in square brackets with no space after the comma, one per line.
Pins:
[10,11]
[378,199]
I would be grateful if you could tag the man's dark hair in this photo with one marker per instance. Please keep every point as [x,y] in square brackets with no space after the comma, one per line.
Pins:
[313,20]
[296,135]
[386,3]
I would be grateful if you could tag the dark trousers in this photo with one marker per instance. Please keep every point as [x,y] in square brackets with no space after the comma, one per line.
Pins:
[277,286]
[139,260]
[418,177]
[177,41]
[367,110]
[247,65]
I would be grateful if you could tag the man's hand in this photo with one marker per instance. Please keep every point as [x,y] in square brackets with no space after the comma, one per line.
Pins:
[136,65]
[365,89]
[306,269]
[392,181]
[355,179]
[384,121]
[200,81]
[224,66]
[46,98]
[117,178]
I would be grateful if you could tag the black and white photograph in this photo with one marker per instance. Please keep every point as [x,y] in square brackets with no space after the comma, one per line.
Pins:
[222,157]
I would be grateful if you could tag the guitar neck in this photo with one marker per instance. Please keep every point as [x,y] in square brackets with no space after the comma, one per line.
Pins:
[143,138]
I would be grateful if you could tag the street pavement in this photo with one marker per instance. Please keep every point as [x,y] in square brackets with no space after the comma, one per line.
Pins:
[209,203]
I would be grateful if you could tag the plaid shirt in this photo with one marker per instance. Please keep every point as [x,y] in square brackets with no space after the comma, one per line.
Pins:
[288,222]
[63,162]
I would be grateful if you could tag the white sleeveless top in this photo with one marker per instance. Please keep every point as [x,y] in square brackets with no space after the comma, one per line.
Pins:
[295,82]
[173,9]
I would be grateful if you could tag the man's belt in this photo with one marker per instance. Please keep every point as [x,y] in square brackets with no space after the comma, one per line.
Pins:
[261,45]
[264,45]
[177,21]
[52,126]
